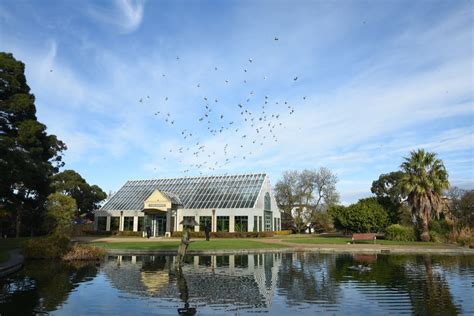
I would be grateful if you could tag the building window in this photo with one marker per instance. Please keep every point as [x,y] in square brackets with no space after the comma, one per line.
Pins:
[102,223]
[260,223]
[114,223]
[128,223]
[141,223]
[203,221]
[222,223]
[255,223]
[267,202]
[241,224]
[188,219]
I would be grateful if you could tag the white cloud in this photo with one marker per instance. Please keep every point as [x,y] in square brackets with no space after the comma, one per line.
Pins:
[127,15]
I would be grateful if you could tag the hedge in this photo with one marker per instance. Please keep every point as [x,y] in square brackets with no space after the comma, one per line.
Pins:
[225,234]
[400,233]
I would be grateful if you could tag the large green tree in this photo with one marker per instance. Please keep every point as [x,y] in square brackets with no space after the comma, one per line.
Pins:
[60,211]
[367,215]
[424,180]
[28,155]
[87,197]
[388,190]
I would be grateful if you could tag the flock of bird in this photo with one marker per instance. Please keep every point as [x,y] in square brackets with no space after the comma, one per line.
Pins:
[254,113]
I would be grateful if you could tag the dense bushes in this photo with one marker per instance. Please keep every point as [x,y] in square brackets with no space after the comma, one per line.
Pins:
[225,234]
[283,232]
[49,247]
[367,215]
[128,234]
[112,233]
[400,233]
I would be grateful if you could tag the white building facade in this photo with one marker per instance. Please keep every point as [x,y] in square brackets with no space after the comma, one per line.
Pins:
[229,203]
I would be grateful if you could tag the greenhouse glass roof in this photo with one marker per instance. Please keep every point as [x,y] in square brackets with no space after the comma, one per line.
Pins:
[230,191]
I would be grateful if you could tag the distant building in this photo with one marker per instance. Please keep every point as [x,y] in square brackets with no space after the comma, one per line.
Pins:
[227,203]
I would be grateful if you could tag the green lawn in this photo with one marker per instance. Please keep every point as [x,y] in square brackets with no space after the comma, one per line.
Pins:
[216,244]
[341,240]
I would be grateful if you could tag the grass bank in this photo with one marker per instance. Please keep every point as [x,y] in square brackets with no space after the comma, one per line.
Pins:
[342,240]
[216,244]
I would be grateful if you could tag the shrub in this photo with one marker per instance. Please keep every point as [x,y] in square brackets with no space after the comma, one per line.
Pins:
[225,234]
[84,252]
[97,233]
[400,233]
[49,247]
[283,232]
[128,234]
[463,237]
[435,236]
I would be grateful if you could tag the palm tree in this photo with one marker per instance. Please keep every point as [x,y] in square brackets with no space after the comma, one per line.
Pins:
[423,181]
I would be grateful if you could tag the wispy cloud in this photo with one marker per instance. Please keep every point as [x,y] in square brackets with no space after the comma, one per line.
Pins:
[127,15]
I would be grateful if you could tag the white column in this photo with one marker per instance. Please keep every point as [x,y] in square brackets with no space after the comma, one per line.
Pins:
[231,224]
[168,223]
[135,223]
[107,223]
[196,218]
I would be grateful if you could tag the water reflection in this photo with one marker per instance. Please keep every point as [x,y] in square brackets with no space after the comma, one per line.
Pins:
[279,283]
[247,281]
[41,286]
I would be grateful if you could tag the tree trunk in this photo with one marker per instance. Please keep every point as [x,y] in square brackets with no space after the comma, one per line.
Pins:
[424,229]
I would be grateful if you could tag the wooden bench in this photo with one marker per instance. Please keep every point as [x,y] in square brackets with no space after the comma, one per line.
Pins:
[366,236]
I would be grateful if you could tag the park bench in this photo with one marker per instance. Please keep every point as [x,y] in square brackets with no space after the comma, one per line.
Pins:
[366,236]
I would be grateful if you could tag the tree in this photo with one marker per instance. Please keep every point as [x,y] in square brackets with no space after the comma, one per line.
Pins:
[423,182]
[302,195]
[367,215]
[60,213]
[461,206]
[87,197]
[388,190]
[28,155]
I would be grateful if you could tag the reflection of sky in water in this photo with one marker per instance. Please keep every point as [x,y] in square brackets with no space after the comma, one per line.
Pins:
[277,283]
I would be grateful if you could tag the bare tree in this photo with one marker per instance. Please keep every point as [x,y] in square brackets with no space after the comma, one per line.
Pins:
[303,195]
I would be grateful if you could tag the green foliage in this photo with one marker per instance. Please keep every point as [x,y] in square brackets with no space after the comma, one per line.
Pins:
[225,234]
[388,190]
[50,247]
[424,179]
[60,213]
[29,155]
[87,197]
[323,222]
[367,215]
[400,233]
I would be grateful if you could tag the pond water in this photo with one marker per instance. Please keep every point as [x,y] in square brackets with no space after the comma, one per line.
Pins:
[275,283]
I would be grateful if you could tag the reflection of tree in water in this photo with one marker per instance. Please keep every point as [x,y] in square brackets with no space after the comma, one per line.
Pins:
[426,287]
[305,277]
[41,286]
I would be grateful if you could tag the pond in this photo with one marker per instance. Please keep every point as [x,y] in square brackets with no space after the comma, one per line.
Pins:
[275,283]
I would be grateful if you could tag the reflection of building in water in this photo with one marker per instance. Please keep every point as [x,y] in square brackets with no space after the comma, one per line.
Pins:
[247,280]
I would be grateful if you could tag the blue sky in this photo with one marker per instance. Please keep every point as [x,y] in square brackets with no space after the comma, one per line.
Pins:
[376,79]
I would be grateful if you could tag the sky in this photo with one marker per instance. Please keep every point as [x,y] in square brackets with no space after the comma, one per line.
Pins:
[352,86]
